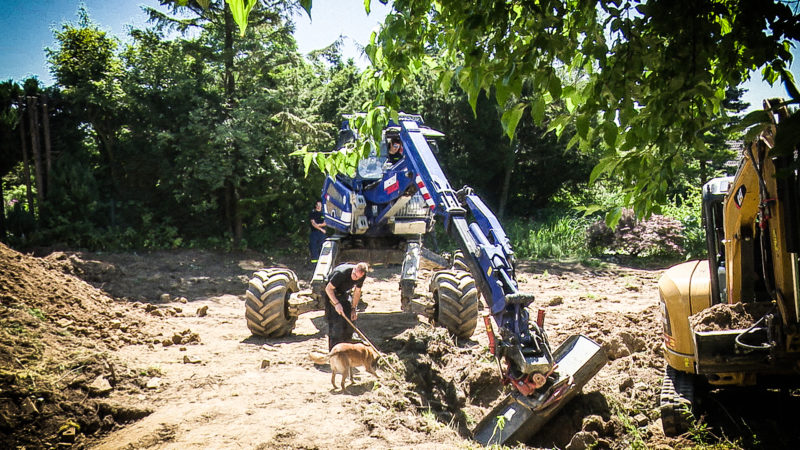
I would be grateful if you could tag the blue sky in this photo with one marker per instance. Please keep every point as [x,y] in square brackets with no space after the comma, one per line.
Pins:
[27,29]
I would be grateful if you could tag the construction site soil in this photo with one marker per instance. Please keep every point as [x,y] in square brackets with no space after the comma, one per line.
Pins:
[151,351]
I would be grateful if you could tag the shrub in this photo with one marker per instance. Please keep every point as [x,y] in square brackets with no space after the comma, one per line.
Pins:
[687,209]
[656,236]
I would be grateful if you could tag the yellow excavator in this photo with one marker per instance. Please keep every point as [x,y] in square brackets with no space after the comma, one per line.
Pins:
[732,320]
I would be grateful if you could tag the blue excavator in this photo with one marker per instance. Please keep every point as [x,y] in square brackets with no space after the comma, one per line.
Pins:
[380,215]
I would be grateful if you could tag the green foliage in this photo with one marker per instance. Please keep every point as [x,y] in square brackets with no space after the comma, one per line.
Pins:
[643,81]
[633,435]
[688,210]
[240,10]
[37,313]
[177,141]
[187,139]
[555,235]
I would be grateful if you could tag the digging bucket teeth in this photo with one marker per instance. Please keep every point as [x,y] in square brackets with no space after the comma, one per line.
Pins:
[517,417]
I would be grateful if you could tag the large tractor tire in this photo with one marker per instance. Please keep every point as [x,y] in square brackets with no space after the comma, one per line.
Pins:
[459,261]
[267,303]
[456,302]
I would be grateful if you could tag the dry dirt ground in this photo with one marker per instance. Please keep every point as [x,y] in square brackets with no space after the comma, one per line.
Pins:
[151,351]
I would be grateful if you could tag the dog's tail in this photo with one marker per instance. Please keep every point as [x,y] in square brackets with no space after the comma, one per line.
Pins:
[318,357]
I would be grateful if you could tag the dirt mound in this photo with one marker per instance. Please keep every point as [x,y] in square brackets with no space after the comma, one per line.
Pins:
[432,390]
[411,397]
[91,271]
[724,316]
[56,337]
[442,389]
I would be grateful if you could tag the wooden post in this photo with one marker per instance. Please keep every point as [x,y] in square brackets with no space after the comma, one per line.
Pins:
[508,169]
[48,157]
[33,121]
[25,162]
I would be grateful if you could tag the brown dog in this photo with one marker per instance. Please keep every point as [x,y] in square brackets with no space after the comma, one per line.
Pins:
[343,357]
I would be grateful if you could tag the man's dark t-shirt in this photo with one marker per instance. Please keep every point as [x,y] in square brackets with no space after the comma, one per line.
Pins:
[342,279]
[316,216]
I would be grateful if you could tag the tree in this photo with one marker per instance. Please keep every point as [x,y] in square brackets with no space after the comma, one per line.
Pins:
[10,153]
[646,78]
[243,67]
[87,68]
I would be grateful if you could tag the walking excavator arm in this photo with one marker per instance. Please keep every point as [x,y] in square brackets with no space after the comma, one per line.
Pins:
[543,380]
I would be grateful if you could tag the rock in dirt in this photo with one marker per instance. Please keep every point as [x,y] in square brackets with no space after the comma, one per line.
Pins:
[615,348]
[640,420]
[122,413]
[582,440]
[593,423]
[100,386]
[626,384]
[187,359]
[68,435]
[153,383]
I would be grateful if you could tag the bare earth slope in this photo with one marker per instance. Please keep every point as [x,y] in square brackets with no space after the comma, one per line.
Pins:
[166,330]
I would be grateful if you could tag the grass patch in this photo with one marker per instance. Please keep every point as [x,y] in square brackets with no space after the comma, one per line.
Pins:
[37,313]
[555,236]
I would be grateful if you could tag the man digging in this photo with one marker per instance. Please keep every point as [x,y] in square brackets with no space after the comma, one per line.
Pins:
[343,279]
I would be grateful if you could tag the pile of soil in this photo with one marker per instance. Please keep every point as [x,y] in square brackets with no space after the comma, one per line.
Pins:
[724,316]
[58,335]
[442,389]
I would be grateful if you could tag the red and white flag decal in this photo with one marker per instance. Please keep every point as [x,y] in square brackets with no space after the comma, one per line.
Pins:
[424,191]
[391,184]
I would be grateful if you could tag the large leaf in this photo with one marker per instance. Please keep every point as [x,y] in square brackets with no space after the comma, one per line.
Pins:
[610,133]
[511,118]
[240,9]
[537,110]
[306,5]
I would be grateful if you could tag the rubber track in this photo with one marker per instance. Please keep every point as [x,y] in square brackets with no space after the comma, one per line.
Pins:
[677,397]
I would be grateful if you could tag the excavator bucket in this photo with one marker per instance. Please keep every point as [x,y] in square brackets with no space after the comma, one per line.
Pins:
[517,417]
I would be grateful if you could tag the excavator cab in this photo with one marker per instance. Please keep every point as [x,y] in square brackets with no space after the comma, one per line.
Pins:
[714,193]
